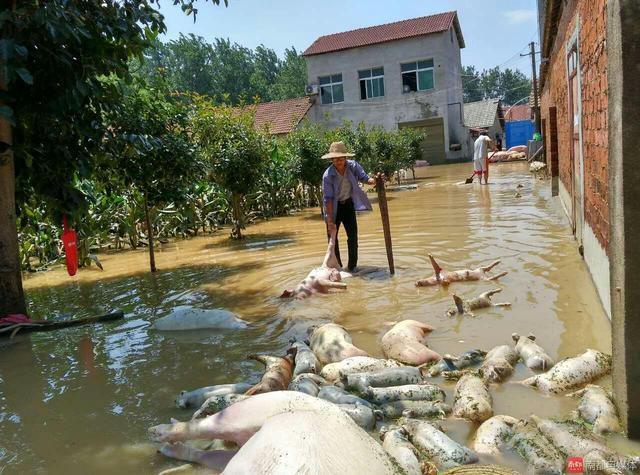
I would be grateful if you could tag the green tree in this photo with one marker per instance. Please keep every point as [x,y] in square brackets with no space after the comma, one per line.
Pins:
[149,149]
[515,86]
[233,66]
[51,56]
[292,77]
[233,150]
[471,84]
[266,68]
[189,65]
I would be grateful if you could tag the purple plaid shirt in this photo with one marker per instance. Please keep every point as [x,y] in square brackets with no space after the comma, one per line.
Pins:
[331,187]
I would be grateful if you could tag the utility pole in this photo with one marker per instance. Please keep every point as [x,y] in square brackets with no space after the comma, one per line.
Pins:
[534,77]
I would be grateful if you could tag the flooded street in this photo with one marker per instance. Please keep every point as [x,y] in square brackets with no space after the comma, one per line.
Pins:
[80,400]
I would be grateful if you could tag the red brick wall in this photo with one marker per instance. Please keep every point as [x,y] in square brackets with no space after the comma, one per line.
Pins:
[593,70]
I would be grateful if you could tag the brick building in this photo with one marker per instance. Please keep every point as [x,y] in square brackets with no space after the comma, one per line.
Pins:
[574,103]
[590,109]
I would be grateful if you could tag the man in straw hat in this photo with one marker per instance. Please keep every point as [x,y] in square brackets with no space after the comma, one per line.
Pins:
[342,197]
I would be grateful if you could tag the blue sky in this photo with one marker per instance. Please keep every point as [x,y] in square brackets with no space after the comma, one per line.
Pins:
[495,31]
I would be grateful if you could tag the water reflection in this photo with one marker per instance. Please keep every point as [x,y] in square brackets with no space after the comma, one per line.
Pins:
[80,400]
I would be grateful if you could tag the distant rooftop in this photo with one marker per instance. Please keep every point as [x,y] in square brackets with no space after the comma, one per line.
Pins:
[480,114]
[519,112]
[280,117]
[399,30]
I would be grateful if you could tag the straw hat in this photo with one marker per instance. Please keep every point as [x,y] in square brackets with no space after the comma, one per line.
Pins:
[337,150]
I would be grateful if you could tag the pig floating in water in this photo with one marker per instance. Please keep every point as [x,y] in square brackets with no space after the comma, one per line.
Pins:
[238,422]
[442,277]
[340,396]
[456,363]
[404,343]
[439,448]
[493,433]
[542,456]
[332,343]
[498,364]
[217,403]
[277,375]
[355,364]
[408,408]
[197,397]
[466,307]
[396,442]
[213,459]
[407,392]
[384,378]
[472,400]
[571,373]
[597,408]
[364,416]
[306,361]
[575,441]
[307,383]
[313,443]
[190,318]
[532,354]
[307,442]
[321,279]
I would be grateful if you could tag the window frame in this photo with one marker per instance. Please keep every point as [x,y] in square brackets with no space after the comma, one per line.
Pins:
[370,79]
[417,71]
[331,84]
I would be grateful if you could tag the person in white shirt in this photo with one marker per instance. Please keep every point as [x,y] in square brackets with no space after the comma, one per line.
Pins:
[481,157]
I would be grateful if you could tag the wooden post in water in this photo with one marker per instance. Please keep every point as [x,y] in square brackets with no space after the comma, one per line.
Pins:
[384,214]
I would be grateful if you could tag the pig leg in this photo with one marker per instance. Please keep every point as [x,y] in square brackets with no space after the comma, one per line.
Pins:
[496,277]
[330,259]
[436,267]
[489,267]
[214,459]
[488,294]
[332,285]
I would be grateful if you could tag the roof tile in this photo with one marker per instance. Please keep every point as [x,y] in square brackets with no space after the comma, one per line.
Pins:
[388,32]
[281,117]
[480,114]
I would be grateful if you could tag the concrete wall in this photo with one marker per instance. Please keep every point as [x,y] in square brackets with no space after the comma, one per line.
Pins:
[584,20]
[396,107]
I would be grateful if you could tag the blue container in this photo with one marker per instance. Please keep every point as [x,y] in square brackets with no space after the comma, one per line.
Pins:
[518,132]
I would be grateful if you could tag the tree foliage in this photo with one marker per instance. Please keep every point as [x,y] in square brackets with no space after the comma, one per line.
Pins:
[234,151]
[226,72]
[509,85]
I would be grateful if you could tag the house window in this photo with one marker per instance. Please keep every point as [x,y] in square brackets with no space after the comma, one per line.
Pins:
[417,75]
[371,83]
[331,89]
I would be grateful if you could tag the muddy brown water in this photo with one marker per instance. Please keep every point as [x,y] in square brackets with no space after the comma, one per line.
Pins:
[80,400]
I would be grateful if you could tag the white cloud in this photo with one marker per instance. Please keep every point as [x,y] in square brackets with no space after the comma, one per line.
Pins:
[515,17]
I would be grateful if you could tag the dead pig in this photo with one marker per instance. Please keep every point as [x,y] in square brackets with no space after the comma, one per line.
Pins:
[355,364]
[597,408]
[576,441]
[238,422]
[453,363]
[331,342]
[396,443]
[305,361]
[492,435]
[197,397]
[533,356]
[277,375]
[541,455]
[442,277]
[408,392]
[472,400]
[498,364]
[321,279]
[217,403]
[364,416]
[404,342]
[442,450]
[570,373]
[384,378]
[307,383]
[213,459]
[340,396]
[431,409]
[466,307]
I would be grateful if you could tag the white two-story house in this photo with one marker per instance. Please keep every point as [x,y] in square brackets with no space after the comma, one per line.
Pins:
[402,74]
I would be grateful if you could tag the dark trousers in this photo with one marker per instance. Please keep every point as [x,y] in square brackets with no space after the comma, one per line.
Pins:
[347,215]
